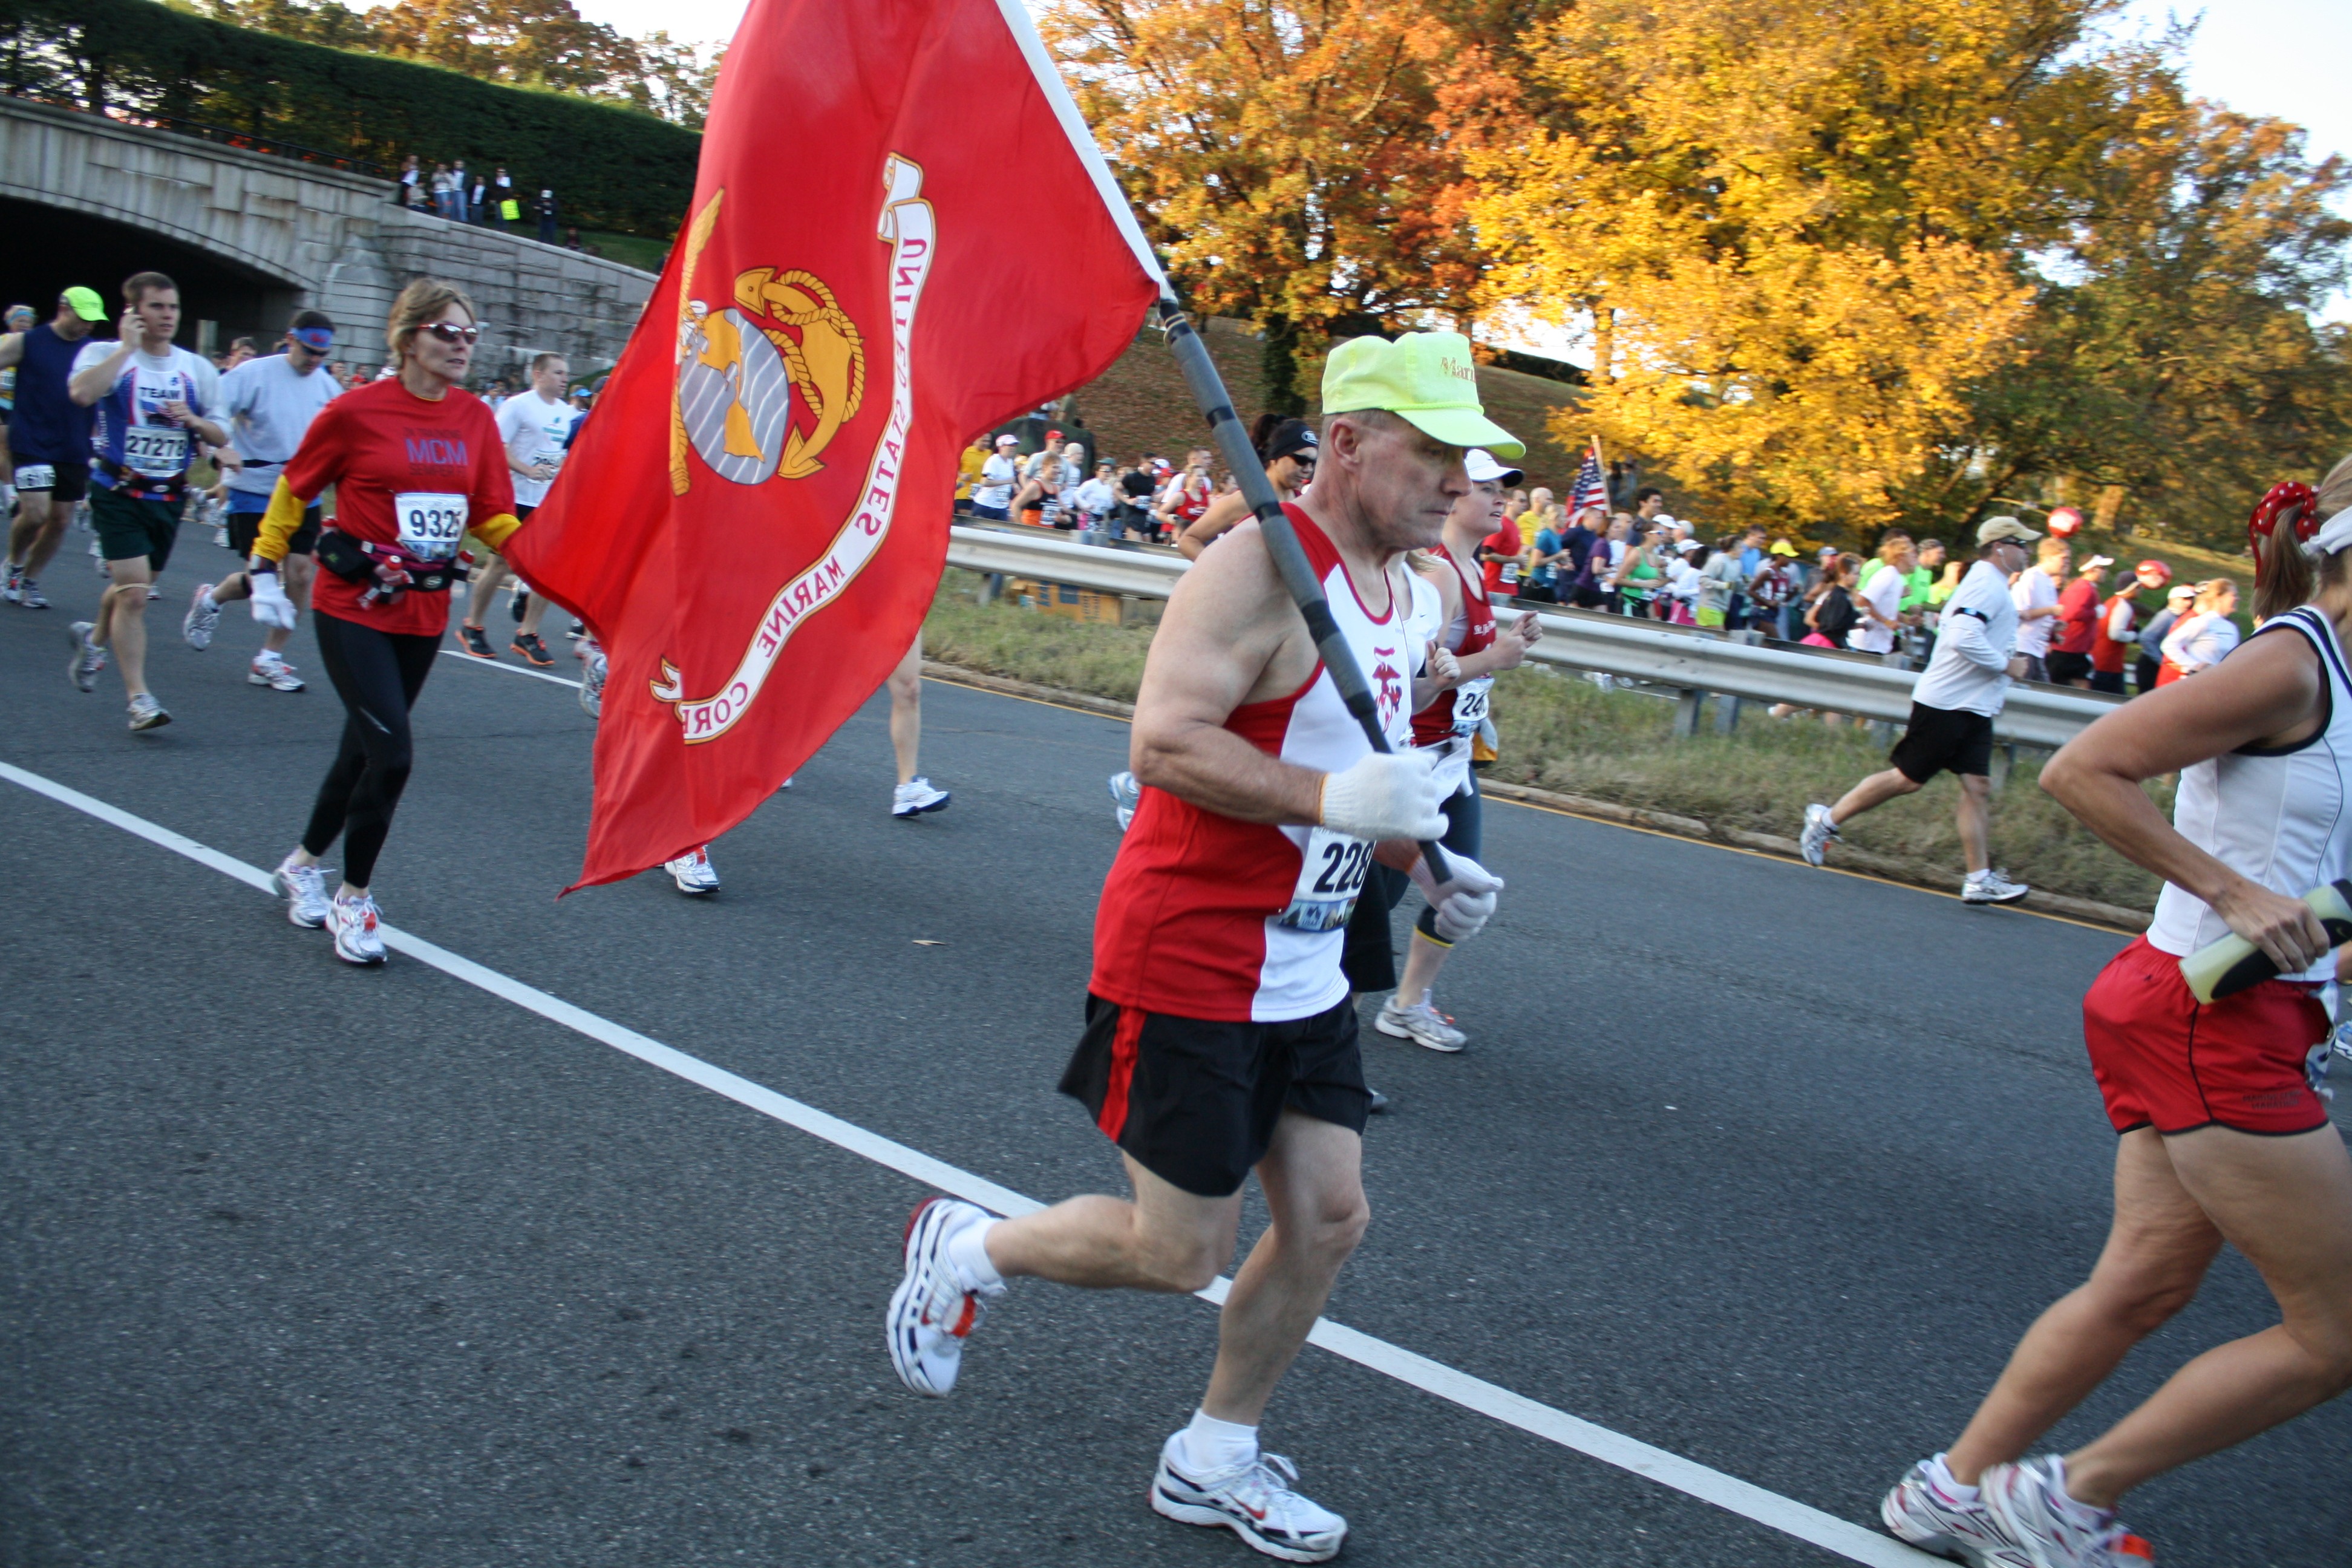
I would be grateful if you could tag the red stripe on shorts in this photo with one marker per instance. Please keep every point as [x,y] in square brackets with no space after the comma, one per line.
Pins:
[1113,1121]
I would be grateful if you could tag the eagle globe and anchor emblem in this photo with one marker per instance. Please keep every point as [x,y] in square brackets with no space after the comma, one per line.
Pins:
[777,343]
[740,365]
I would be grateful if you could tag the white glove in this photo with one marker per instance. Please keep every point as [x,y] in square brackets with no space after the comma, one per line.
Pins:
[1465,901]
[271,607]
[1392,796]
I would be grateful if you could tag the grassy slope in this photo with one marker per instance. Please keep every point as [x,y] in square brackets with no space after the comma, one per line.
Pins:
[1564,733]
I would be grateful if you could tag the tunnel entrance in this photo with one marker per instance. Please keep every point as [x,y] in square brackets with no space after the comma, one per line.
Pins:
[49,249]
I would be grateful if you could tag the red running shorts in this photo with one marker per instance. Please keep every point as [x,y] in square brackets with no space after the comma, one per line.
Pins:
[2165,1060]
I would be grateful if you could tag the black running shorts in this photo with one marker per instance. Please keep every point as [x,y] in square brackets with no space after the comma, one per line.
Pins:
[1195,1101]
[62,482]
[245,529]
[129,526]
[1940,737]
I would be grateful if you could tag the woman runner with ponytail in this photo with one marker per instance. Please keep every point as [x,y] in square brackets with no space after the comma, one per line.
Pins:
[2222,1123]
[415,461]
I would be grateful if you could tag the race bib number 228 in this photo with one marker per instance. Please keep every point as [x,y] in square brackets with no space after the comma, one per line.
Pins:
[1331,876]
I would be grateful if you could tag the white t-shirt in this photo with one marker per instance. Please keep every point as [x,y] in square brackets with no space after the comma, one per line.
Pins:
[1974,642]
[268,405]
[533,429]
[1882,592]
[1094,498]
[2033,590]
[997,477]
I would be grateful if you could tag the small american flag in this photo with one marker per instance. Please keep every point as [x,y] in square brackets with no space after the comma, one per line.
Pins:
[1591,488]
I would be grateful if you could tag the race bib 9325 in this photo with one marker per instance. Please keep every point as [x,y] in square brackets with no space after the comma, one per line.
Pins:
[431,523]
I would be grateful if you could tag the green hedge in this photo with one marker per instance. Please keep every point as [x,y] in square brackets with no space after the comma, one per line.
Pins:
[611,168]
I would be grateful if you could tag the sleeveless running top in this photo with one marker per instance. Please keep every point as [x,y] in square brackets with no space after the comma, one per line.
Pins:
[2274,817]
[2107,655]
[1191,504]
[1204,917]
[48,426]
[1461,711]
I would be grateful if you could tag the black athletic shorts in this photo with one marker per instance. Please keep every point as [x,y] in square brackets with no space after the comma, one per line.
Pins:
[2068,666]
[62,482]
[1940,737]
[245,529]
[1195,1101]
[131,526]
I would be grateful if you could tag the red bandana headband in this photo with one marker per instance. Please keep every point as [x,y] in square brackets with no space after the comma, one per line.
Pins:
[2295,501]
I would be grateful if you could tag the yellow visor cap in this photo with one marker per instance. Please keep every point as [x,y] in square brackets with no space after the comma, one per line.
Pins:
[1427,379]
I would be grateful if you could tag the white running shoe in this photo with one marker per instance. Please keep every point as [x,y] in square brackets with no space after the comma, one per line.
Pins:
[917,796]
[29,594]
[1257,1501]
[931,1313]
[88,658]
[1991,887]
[1814,841]
[352,921]
[272,670]
[1918,1511]
[1126,794]
[693,873]
[1422,1023]
[2027,1504]
[146,713]
[13,589]
[304,889]
[199,623]
[592,669]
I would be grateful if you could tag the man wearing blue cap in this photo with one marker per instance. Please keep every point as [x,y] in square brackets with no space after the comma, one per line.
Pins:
[269,403]
[1220,1033]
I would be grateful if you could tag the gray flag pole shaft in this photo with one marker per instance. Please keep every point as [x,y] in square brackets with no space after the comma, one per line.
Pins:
[1281,539]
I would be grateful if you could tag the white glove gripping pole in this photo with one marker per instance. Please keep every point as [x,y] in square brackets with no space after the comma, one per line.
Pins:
[1281,540]
[1385,797]
[1463,899]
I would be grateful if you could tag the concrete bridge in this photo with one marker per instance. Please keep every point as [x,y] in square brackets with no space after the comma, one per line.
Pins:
[250,237]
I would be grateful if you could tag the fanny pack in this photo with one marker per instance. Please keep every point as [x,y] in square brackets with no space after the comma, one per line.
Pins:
[356,560]
[171,489]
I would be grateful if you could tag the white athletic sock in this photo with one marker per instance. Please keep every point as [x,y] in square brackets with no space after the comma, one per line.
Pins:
[1209,1446]
[211,604]
[1939,1476]
[968,1253]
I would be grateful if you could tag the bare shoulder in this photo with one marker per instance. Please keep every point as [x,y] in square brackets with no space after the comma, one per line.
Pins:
[1231,634]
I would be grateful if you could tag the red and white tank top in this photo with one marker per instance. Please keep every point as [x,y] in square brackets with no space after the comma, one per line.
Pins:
[1472,631]
[1204,917]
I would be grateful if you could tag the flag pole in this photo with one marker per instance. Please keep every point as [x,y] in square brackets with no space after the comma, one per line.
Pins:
[1281,540]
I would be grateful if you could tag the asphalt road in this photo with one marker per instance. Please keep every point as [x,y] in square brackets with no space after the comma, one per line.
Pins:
[303,1264]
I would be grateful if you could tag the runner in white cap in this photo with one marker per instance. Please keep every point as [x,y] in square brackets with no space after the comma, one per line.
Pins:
[1450,725]
[1952,709]
[1220,1035]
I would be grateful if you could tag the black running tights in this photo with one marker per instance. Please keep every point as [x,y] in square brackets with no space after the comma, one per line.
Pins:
[377,674]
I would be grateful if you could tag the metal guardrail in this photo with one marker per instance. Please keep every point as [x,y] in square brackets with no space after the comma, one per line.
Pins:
[1691,661]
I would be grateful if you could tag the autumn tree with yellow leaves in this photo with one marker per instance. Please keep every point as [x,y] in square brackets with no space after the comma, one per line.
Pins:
[1838,262]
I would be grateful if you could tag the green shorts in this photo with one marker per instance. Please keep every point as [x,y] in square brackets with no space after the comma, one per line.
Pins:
[128,527]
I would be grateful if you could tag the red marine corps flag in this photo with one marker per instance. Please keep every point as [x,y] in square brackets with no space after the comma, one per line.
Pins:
[754,519]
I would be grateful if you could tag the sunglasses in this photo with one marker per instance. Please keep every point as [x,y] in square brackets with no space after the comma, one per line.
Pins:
[450,332]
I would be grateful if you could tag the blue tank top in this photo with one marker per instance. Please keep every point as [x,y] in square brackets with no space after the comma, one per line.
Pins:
[47,427]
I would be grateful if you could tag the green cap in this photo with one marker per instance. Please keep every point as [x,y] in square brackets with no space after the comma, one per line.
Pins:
[1427,379]
[84,303]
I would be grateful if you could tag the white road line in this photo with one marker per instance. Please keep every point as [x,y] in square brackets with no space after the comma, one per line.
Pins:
[1668,1469]
[509,669]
